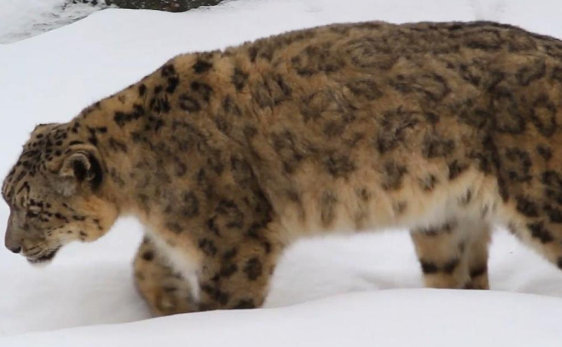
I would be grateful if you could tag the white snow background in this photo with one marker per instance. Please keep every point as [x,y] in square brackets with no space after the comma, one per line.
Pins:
[20,19]
[86,297]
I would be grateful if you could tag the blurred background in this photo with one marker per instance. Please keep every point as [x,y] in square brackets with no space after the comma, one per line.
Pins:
[20,19]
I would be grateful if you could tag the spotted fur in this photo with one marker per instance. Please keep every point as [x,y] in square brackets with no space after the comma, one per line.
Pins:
[229,156]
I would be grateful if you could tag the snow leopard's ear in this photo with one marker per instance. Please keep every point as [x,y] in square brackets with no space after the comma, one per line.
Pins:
[43,129]
[40,127]
[79,168]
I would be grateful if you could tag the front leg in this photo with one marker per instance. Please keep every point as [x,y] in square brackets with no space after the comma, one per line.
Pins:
[163,289]
[237,276]
[234,273]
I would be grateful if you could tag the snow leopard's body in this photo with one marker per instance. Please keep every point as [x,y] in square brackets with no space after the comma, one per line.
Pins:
[229,156]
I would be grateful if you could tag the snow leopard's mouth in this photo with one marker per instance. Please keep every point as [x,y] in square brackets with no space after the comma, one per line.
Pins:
[44,258]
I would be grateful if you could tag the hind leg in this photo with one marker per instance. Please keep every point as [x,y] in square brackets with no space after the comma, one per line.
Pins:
[165,292]
[477,248]
[454,255]
[441,252]
[538,225]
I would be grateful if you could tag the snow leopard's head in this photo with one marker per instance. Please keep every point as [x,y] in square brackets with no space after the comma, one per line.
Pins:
[53,194]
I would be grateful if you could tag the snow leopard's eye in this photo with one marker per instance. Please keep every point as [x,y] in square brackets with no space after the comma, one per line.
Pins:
[33,212]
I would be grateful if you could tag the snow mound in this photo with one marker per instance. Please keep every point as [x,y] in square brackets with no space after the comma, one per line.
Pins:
[421,317]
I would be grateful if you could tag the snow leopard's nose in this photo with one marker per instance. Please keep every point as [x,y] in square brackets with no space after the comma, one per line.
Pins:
[15,250]
[10,241]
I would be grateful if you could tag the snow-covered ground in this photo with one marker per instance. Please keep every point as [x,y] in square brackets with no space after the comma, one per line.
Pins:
[398,318]
[20,19]
[51,77]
